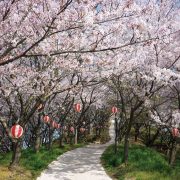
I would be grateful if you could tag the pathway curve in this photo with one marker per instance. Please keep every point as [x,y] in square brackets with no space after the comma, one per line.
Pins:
[79,164]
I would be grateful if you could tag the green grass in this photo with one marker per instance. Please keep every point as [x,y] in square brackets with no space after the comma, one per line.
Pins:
[35,162]
[144,164]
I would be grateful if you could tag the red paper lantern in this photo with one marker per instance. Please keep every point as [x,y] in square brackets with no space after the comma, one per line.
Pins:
[46,119]
[54,124]
[114,110]
[175,132]
[72,129]
[82,130]
[58,126]
[16,131]
[77,107]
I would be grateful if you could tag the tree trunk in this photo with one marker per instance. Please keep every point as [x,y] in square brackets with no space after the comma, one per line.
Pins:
[116,136]
[126,140]
[96,132]
[50,138]
[151,141]
[76,136]
[16,154]
[38,140]
[99,135]
[126,149]
[136,133]
[61,136]
[37,135]
[136,137]
[172,154]
[71,139]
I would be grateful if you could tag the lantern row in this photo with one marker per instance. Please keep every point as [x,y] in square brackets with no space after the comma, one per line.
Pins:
[17,130]
[55,125]
[47,119]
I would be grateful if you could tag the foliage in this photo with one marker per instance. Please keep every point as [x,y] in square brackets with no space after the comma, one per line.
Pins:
[144,163]
[102,138]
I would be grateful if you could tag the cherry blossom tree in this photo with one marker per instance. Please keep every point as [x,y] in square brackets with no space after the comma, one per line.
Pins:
[50,47]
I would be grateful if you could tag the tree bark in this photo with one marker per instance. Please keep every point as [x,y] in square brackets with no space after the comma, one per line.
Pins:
[99,132]
[37,135]
[172,154]
[136,133]
[61,137]
[151,141]
[16,154]
[76,136]
[50,138]
[126,140]
[37,140]
[116,136]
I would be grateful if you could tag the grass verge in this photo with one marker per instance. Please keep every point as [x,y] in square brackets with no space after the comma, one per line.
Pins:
[144,164]
[31,164]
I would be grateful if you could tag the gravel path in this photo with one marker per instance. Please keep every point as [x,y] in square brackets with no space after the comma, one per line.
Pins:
[79,164]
